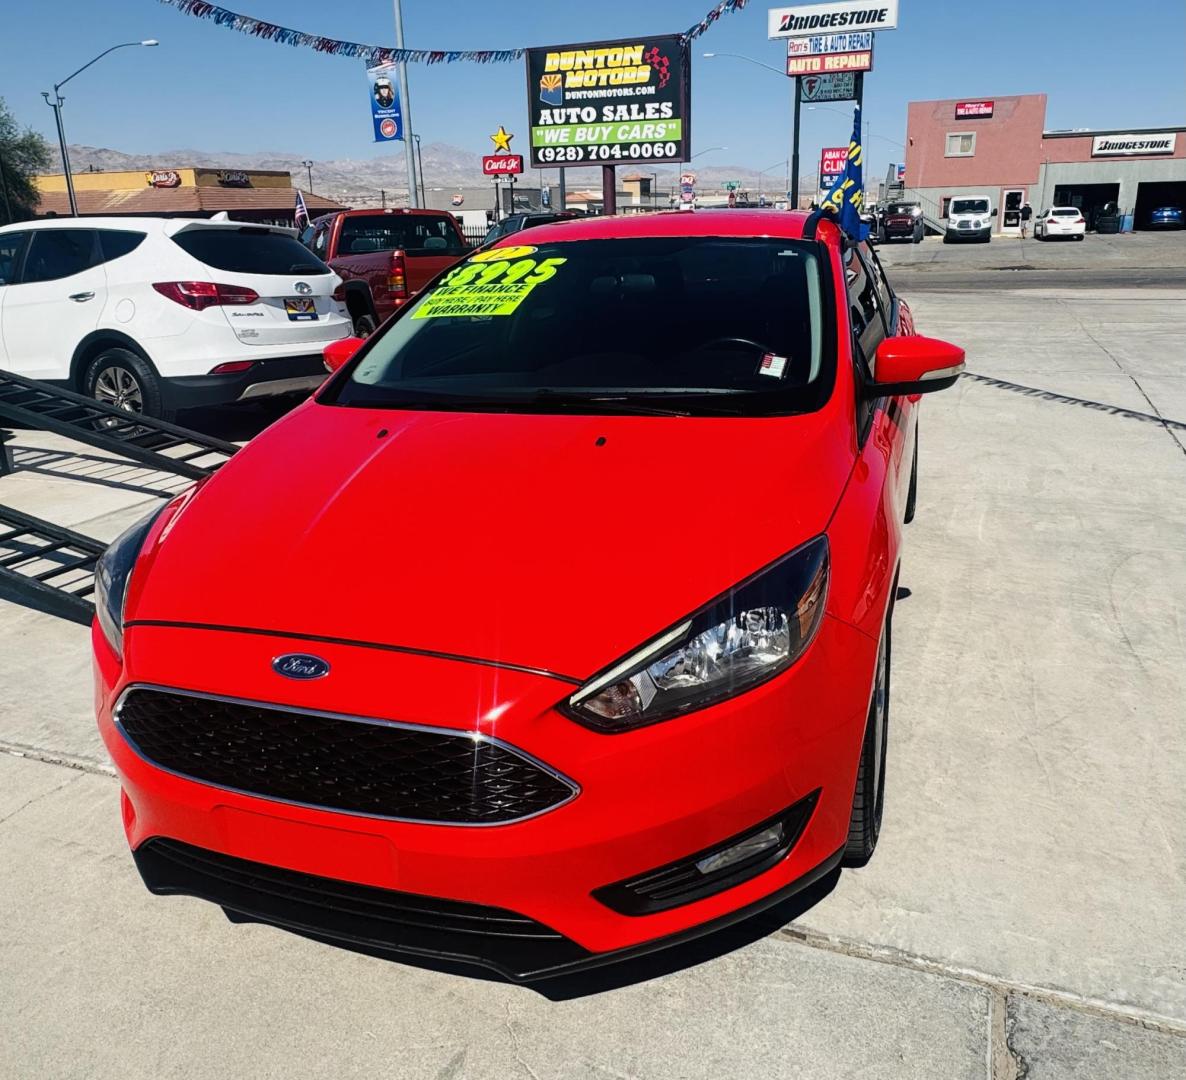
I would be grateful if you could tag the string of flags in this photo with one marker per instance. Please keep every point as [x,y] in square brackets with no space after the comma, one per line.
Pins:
[725,7]
[379,54]
[372,54]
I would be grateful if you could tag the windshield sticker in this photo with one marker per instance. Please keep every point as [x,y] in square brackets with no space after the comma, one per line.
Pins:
[484,287]
[501,254]
[772,365]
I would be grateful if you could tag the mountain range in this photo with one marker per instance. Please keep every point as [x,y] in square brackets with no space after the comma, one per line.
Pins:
[358,182]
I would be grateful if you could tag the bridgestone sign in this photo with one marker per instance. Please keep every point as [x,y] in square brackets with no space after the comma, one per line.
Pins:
[810,19]
[1131,145]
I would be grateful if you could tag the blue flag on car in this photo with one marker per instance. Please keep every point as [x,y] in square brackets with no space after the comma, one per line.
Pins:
[847,197]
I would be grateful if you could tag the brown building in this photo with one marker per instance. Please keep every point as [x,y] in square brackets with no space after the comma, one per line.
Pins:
[262,196]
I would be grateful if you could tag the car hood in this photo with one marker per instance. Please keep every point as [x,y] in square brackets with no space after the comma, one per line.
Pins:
[551,542]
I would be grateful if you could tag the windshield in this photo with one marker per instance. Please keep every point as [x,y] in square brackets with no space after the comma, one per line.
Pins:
[969,206]
[415,234]
[249,251]
[697,325]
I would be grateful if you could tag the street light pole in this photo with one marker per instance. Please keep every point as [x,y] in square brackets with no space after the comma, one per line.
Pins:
[57,103]
[309,170]
[420,160]
[406,109]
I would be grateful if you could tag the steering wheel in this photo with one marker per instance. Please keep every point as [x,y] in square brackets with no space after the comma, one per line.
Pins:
[733,341]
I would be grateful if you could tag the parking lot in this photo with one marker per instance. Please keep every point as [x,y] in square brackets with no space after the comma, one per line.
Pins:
[1023,915]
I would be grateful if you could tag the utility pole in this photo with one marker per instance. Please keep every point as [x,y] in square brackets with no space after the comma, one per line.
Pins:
[8,218]
[406,109]
[795,145]
[383,198]
[609,191]
[420,160]
[563,191]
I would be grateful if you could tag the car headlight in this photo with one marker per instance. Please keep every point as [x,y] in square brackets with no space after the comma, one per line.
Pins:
[916,212]
[112,573]
[750,634]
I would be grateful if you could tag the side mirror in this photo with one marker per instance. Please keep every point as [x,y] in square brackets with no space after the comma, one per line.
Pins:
[336,353]
[996,210]
[915,365]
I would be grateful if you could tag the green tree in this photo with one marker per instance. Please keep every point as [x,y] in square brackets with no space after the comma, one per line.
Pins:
[23,154]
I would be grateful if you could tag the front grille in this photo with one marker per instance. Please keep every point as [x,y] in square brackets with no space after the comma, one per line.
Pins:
[371,767]
[361,916]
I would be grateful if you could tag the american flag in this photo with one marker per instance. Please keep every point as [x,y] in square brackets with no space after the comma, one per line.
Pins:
[300,216]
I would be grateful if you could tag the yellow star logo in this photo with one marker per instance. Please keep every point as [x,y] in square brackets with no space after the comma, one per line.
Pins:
[501,140]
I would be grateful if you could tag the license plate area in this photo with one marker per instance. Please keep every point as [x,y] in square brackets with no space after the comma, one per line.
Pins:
[300,309]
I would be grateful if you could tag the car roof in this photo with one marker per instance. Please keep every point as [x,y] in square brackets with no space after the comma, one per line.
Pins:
[782,224]
[168,225]
[392,211]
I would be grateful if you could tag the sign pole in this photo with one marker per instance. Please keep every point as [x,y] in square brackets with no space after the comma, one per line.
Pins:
[406,110]
[609,191]
[795,147]
[563,191]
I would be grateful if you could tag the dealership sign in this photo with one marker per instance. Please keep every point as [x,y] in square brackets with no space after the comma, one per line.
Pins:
[832,160]
[818,44]
[830,63]
[502,164]
[842,87]
[1162,142]
[968,110]
[609,102]
[808,19]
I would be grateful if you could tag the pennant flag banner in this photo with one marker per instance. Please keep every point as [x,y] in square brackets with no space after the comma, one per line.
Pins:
[372,54]
[379,54]
[725,7]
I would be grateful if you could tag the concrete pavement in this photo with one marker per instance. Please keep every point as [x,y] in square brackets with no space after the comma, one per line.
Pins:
[1022,917]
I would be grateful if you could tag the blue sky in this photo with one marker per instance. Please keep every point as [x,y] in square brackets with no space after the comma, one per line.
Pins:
[211,88]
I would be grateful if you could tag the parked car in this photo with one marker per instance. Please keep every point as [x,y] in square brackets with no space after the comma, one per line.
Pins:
[514,223]
[385,257]
[622,670]
[902,221]
[969,217]
[1166,217]
[1065,221]
[159,314]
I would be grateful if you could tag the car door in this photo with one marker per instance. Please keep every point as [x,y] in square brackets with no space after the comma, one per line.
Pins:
[55,304]
[886,424]
[12,249]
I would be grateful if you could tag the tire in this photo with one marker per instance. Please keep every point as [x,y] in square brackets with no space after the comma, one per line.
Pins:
[120,377]
[912,493]
[917,239]
[1079,237]
[868,801]
[364,326]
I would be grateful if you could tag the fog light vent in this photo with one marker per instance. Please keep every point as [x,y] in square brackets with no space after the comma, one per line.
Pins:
[713,870]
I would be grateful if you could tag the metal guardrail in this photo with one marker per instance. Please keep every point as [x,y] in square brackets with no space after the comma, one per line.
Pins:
[53,566]
[145,439]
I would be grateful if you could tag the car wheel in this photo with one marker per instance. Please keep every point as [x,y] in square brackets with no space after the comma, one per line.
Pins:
[912,494]
[121,378]
[364,326]
[1079,237]
[864,826]
[918,236]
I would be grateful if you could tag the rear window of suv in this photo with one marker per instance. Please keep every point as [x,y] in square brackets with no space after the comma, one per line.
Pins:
[249,251]
[416,234]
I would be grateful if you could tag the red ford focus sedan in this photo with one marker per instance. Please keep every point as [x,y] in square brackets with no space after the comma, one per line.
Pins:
[556,626]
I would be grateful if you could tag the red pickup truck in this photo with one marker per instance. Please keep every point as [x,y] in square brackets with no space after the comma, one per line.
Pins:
[384,257]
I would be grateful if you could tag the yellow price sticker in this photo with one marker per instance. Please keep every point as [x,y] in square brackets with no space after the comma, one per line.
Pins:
[507,254]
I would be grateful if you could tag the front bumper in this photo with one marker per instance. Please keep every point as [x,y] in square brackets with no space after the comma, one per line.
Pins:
[646,799]
[265,378]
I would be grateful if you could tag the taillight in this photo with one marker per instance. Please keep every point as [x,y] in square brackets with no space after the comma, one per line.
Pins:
[397,278]
[199,295]
[339,294]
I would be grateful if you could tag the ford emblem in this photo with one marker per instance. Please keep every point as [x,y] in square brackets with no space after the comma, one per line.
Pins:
[303,288]
[300,666]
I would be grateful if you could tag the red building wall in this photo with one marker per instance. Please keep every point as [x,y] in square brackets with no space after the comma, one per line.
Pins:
[1009,147]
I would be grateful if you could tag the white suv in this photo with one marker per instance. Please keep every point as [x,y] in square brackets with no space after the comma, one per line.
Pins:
[160,314]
